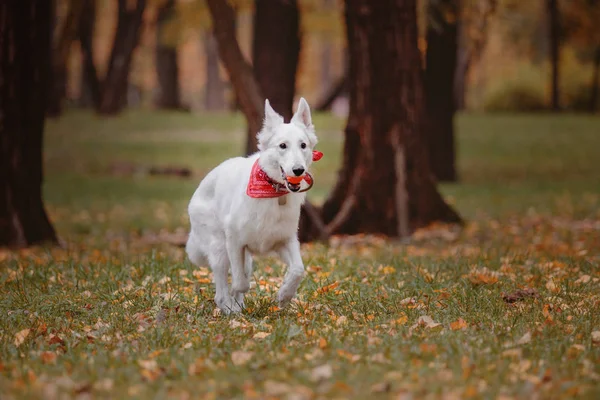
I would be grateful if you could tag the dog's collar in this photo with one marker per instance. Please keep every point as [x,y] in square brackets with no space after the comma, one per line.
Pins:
[261,186]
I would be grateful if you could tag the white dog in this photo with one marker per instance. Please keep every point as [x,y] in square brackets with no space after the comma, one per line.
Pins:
[252,205]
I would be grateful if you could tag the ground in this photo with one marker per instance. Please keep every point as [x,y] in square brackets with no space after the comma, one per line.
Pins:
[505,308]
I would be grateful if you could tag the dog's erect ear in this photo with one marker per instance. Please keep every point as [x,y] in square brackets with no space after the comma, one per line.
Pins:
[272,121]
[302,115]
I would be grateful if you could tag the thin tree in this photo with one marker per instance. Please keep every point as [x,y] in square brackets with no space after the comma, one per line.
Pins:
[554,33]
[275,53]
[385,184]
[25,32]
[239,69]
[90,83]
[214,93]
[440,70]
[167,68]
[113,95]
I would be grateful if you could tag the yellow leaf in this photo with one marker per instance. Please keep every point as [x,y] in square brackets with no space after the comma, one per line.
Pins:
[21,336]
[402,320]
[459,324]
[322,343]
[260,335]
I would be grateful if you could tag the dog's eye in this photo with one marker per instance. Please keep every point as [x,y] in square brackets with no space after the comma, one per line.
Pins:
[303,145]
[283,146]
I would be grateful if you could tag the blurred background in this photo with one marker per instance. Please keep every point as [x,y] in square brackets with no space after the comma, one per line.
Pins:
[141,106]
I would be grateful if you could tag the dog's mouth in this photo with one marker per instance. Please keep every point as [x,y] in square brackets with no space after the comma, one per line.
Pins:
[292,182]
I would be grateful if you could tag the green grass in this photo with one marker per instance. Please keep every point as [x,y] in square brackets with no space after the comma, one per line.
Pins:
[119,312]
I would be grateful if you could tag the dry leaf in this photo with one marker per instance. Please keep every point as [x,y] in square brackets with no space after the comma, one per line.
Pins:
[260,335]
[403,319]
[596,337]
[197,366]
[276,389]
[241,357]
[519,294]
[526,338]
[341,320]
[321,373]
[21,336]
[148,364]
[428,322]
[48,357]
[459,324]
[322,343]
[483,276]
[380,358]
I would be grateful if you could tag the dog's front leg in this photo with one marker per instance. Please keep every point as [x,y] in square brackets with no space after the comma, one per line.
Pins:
[239,281]
[290,254]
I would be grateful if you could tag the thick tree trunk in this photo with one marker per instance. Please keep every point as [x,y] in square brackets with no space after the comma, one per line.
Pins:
[90,83]
[442,38]
[385,184]
[214,95]
[554,32]
[275,53]
[240,71]
[113,95]
[62,48]
[25,32]
[167,68]
[595,82]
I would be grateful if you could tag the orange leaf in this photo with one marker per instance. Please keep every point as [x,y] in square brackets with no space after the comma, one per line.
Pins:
[459,324]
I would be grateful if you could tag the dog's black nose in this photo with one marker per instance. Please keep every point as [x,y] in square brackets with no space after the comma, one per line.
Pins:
[298,171]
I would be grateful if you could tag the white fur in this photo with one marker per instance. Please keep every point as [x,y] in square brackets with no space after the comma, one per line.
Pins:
[227,225]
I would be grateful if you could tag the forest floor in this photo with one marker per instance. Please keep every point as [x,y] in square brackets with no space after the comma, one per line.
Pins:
[505,308]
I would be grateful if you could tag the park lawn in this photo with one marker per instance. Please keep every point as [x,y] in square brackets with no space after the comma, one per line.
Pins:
[119,312]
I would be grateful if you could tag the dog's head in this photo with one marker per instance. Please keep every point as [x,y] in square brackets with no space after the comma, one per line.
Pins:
[286,149]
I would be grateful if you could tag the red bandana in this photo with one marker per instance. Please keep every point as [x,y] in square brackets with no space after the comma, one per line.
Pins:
[261,186]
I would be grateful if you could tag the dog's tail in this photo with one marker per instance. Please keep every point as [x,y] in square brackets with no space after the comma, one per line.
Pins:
[194,251]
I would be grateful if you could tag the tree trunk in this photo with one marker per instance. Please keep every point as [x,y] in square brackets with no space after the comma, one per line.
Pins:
[60,57]
[239,70]
[113,96]
[463,61]
[214,95]
[275,53]
[554,32]
[90,83]
[385,184]
[595,82]
[167,68]
[25,32]
[439,86]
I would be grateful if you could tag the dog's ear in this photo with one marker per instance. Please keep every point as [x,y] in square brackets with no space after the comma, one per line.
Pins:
[271,122]
[302,115]
[303,118]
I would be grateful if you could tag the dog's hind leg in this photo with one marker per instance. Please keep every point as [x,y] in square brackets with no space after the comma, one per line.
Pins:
[290,254]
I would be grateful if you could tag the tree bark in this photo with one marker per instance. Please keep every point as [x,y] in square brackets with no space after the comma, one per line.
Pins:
[275,53]
[167,68]
[25,42]
[90,83]
[240,71]
[113,96]
[441,57]
[385,185]
[595,82]
[554,32]
[214,95]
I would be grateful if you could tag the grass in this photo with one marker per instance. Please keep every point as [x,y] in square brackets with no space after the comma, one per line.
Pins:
[119,312]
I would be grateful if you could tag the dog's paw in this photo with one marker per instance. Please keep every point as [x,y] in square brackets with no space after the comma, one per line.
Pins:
[284,296]
[230,305]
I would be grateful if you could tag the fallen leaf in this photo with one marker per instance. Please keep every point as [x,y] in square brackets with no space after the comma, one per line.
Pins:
[459,324]
[526,338]
[276,389]
[260,335]
[403,319]
[321,373]
[380,358]
[596,337]
[482,276]
[519,295]
[322,343]
[148,364]
[197,366]
[241,357]
[427,322]
[21,336]
[341,320]
[48,357]
[382,387]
